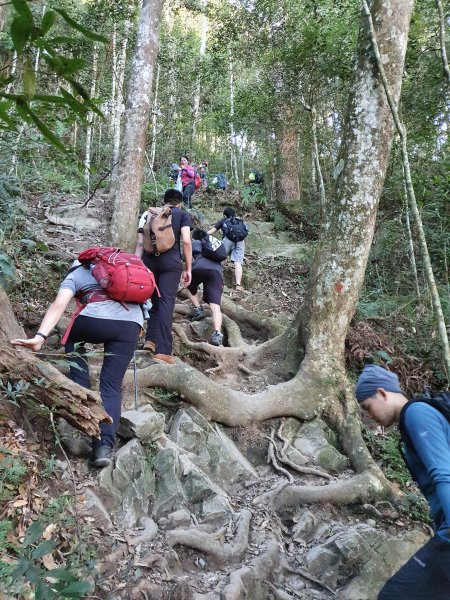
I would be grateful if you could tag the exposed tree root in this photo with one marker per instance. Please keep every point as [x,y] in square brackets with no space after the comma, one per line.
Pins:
[208,543]
[229,406]
[266,326]
[282,458]
[309,577]
[361,488]
[234,335]
[271,451]
[247,582]
[217,352]
[268,498]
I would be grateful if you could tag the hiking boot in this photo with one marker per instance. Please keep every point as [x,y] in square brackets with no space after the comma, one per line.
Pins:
[165,358]
[217,339]
[101,456]
[198,313]
[238,288]
[150,346]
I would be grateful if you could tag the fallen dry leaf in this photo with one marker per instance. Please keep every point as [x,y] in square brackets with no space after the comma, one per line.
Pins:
[49,562]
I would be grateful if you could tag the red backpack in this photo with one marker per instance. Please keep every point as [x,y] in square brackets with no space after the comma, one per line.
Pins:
[122,276]
[197,181]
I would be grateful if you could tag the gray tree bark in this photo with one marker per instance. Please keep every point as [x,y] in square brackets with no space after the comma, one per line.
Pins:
[287,179]
[125,194]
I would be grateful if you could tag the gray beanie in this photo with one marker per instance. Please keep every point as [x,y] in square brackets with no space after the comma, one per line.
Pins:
[374,377]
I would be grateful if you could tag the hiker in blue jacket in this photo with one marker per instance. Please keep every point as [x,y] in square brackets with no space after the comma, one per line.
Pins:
[426,576]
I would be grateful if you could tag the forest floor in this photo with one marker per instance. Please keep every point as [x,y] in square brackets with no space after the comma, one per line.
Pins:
[275,276]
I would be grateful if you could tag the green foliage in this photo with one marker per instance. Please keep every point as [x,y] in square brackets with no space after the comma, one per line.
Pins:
[253,196]
[12,472]
[59,510]
[7,272]
[14,391]
[28,572]
[279,221]
[385,449]
[152,194]
[49,466]
[28,37]
[5,530]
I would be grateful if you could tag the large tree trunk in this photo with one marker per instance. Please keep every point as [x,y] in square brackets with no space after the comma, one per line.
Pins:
[340,261]
[125,194]
[320,384]
[82,408]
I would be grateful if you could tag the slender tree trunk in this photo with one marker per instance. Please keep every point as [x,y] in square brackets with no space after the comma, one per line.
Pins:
[390,96]
[154,120]
[233,159]
[125,194]
[119,98]
[12,72]
[317,167]
[113,78]
[445,66]
[73,141]
[87,150]
[287,181]
[203,37]
[412,255]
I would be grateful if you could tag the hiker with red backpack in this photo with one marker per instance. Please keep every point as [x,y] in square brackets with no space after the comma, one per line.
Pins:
[161,234]
[110,287]
[234,232]
[190,180]
[424,425]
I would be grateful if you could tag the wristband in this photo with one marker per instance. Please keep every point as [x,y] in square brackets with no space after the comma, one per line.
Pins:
[41,335]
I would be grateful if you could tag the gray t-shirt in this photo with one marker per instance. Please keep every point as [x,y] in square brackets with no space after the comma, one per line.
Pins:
[201,262]
[81,279]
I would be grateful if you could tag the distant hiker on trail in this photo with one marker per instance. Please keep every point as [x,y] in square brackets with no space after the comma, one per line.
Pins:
[165,263]
[187,174]
[104,321]
[220,181]
[256,177]
[207,253]
[234,232]
[203,172]
[425,431]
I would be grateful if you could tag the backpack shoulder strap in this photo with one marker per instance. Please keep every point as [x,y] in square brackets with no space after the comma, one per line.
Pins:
[440,402]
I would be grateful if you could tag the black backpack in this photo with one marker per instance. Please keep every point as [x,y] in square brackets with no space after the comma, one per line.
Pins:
[235,229]
[440,402]
[213,249]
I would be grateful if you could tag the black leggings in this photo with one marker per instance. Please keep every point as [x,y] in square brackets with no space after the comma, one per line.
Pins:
[119,340]
[188,190]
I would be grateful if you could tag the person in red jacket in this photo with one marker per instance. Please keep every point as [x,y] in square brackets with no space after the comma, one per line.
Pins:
[187,173]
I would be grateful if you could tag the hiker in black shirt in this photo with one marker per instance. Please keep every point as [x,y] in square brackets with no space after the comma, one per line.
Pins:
[167,268]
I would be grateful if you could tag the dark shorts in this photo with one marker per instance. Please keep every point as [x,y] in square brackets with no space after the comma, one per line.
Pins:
[426,575]
[212,284]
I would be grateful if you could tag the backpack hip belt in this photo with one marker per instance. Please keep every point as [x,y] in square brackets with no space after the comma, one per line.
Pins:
[82,300]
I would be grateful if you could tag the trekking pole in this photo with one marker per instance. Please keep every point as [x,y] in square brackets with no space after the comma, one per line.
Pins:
[135,381]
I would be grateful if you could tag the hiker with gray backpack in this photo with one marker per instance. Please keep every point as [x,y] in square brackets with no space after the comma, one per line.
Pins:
[208,254]
[234,232]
